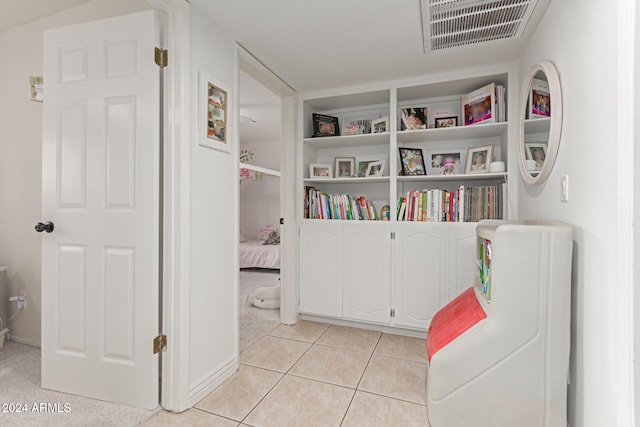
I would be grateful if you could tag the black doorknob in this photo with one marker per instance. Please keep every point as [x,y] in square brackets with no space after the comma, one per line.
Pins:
[47,227]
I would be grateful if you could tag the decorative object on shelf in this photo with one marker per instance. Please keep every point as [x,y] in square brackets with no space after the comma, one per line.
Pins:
[497,167]
[452,159]
[479,158]
[214,113]
[479,105]
[245,173]
[317,170]
[358,125]
[385,213]
[539,99]
[446,122]
[536,151]
[414,118]
[538,129]
[412,161]
[531,165]
[375,169]
[325,125]
[345,167]
[380,125]
[362,167]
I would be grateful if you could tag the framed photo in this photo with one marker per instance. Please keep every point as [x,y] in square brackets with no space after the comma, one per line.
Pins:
[445,162]
[536,151]
[380,125]
[317,170]
[375,169]
[345,167]
[478,159]
[215,110]
[414,118]
[446,122]
[325,125]
[362,167]
[412,161]
[358,124]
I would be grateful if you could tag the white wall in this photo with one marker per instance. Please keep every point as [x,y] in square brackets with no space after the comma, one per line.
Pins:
[21,159]
[580,38]
[214,216]
[260,199]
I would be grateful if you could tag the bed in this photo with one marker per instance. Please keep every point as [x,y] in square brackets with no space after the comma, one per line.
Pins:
[254,254]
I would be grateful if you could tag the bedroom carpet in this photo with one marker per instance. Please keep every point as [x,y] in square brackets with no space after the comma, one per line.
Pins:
[256,322]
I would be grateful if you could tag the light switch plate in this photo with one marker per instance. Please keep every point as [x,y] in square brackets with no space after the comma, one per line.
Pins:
[564,188]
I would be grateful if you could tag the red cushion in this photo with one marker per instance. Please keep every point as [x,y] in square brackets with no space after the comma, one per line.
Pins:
[452,320]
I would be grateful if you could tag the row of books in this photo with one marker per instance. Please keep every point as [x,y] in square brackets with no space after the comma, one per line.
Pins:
[319,205]
[466,204]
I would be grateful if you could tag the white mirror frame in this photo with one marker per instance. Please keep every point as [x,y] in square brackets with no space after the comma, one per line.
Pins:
[555,125]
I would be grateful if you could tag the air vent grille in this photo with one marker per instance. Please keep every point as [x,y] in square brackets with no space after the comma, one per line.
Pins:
[454,23]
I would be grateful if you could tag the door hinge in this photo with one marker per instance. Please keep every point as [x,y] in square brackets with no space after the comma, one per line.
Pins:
[159,343]
[393,312]
[393,235]
[161,57]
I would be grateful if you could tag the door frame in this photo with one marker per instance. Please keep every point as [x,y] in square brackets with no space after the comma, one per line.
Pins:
[289,248]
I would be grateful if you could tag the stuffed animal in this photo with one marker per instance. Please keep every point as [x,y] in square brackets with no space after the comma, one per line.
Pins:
[267,297]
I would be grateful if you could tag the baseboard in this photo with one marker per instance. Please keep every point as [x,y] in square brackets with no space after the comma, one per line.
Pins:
[23,341]
[363,325]
[210,381]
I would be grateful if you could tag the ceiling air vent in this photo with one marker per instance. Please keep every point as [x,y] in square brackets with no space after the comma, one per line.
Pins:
[454,23]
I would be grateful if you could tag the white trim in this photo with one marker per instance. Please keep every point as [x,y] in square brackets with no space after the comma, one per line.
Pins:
[288,232]
[259,169]
[211,380]
[175,361]
[23,341]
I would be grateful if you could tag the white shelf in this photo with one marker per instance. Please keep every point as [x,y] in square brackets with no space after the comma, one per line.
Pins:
[454,133]
[537,125]
[370,180]
[452,178]
[367,139]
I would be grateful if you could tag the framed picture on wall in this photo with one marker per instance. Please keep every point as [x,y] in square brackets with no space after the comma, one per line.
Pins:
[214,113]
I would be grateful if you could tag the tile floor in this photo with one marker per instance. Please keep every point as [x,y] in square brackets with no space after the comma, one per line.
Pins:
[314,374]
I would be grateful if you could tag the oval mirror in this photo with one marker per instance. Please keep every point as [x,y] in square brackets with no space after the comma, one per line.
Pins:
[540,123]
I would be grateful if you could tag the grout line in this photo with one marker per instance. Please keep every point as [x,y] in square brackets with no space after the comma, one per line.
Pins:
[211,413]
[393,398]
[262,399]
[368,362]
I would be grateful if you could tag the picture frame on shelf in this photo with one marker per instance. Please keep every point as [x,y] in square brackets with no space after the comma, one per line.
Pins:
[479,158]
[214,113]
[324,125]
[539,99]
[345,167]
[358,124]
[446,162]
[414,118]
[318,170]
[446,122]
[375,169]
[362,167]
[536,151]
[412,161]
[380,125]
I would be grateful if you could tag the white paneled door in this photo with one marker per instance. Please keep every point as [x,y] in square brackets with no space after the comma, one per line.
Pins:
[100,264]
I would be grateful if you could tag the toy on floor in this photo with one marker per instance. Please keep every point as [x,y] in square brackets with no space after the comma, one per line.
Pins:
[267,297]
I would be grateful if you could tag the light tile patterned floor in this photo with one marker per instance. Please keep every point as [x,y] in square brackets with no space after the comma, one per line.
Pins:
[314,374]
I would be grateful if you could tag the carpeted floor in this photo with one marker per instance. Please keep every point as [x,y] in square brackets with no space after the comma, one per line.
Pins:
[256,322]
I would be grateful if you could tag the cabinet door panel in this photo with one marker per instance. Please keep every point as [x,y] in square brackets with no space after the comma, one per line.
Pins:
[463,254]
[320,269]
[421,274]
[366,288]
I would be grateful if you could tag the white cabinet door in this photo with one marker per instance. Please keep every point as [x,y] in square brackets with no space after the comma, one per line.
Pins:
[321,268]
[366,286]
[462,257]
[421,257]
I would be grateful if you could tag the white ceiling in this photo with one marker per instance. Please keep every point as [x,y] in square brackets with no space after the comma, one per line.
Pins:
[314,44]
[263,106]
[18,12]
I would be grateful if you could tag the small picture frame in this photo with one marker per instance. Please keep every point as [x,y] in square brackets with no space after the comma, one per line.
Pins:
[362,167]
[414,118]
[479,158]
[380,125]
[345,167]
[317,170]
[215,108]
[375,169]
[412,161]
[536,151]
[446,122]
[445,162]
[325,125]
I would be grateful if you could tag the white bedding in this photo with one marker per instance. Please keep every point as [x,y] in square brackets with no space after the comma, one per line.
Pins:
[253,254]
